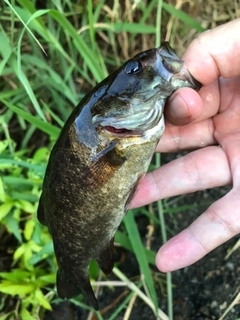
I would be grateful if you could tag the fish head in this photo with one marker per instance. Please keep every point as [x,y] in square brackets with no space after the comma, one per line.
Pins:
[135,94]
[155,72]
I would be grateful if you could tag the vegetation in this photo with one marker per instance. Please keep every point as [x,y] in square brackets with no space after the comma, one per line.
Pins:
[52,53]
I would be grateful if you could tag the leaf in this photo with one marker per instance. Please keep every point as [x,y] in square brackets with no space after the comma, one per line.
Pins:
[139,251]
[48,278]
[42,300]
[25,314]
[30,249]
[182,16]
[54,79]
[89,56]
[19,252]
[5,162]
[5,209]
[44,126]
[29,228]
[15,275]
[6,316]
[3,145]
[46,250]
[12,225]
[87,53]
[123,239]
[17,182]
[2,194]
[21,290]
[133,27]
[25,25]
[42,154]
[24,196]
[93,269]
[25,206]
[5,49]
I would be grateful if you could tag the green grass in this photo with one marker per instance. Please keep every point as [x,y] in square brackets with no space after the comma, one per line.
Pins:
[49,58]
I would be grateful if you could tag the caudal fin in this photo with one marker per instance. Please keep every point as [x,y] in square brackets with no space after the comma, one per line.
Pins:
[68,288]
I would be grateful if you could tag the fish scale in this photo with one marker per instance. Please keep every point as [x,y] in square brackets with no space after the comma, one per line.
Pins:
[99,160]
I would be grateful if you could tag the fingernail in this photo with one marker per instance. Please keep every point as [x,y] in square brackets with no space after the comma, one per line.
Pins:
[177,108]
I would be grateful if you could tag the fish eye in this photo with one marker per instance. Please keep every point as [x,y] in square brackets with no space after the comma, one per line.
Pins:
[132,67]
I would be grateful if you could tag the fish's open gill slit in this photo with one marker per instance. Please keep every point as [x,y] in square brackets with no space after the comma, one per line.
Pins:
[124,132]
[116,130]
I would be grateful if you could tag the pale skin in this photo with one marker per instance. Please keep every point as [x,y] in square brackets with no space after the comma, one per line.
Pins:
[207,122]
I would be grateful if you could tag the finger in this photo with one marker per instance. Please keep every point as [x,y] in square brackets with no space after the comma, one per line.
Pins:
[219,223]
[186,105]
[197,170]
[194,136]
[215,53]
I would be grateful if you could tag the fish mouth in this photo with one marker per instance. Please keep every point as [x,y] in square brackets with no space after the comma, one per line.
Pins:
[176,69]
[196,85]
[186,76]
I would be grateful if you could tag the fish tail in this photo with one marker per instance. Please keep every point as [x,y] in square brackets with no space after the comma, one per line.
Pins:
[69,288]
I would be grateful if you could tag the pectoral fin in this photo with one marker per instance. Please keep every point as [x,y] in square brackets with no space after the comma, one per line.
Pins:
[102,167]
[133,191]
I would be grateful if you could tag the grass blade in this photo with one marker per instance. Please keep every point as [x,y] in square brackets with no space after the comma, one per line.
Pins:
[182,16]
[40,124]
[123,239]
[139,251]
[160,314]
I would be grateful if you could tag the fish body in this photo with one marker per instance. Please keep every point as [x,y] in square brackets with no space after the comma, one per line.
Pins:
[99,160]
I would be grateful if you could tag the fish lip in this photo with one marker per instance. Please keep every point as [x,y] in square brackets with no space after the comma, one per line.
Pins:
[195,84]
[176,67]
[185,75]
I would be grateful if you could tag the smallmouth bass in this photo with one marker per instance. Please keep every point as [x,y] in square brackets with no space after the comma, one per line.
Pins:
[99,160]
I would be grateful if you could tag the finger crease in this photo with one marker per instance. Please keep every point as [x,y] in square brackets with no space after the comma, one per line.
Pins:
[215,218]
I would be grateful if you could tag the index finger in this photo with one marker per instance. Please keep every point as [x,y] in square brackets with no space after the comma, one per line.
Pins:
[217,53]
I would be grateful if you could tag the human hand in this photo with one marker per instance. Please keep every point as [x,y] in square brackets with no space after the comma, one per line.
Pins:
[213,118]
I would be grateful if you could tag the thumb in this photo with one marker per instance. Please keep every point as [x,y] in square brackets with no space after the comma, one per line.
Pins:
[183,107]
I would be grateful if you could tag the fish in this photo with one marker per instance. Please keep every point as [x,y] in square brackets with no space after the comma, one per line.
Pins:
[99,159]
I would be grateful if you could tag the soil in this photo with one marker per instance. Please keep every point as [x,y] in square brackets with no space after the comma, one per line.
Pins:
[202,291]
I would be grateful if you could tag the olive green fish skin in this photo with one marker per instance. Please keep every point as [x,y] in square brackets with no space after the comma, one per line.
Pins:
[99,159]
